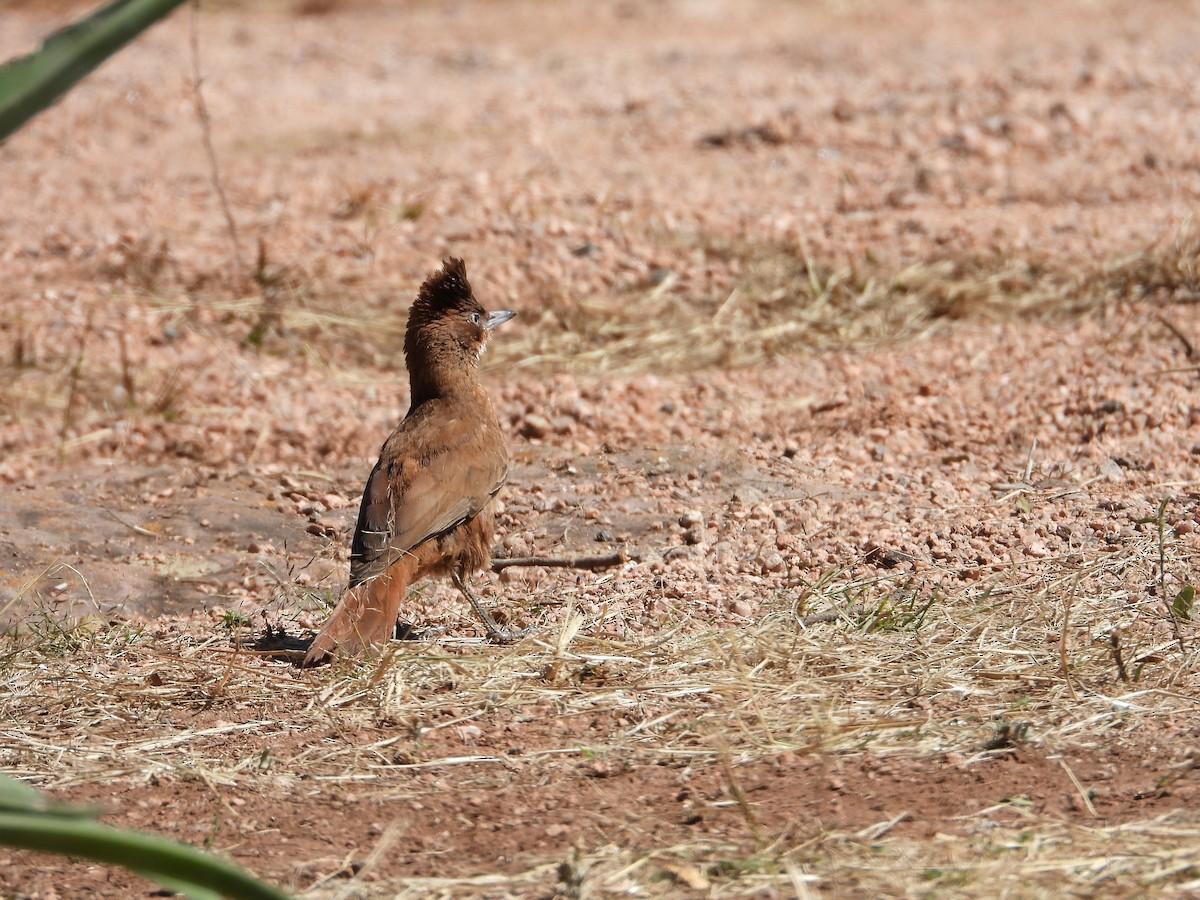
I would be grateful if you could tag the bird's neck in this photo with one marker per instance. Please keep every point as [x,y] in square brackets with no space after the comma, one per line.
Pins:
[431,382]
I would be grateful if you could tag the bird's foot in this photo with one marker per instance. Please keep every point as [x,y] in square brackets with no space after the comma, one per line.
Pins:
[495,633]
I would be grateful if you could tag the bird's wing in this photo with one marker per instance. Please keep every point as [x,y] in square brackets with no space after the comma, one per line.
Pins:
[435,471]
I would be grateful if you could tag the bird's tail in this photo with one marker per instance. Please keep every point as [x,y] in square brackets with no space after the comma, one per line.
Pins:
[364,618]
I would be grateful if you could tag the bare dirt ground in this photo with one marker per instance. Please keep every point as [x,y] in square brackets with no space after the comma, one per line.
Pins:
[867,330]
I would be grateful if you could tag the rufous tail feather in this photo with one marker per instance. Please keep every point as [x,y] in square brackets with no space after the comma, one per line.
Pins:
[364,618]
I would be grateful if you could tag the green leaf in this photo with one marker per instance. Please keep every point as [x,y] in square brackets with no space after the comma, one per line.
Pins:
[29,821]
[1021,502]
[1183,605]
[17,796]
[30,84]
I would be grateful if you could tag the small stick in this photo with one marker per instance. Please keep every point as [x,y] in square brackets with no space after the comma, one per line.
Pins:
[829,615]
[206,134]
[1188,347]
[73,388]
[1064,665]
[1029,463]
[563,562]
[1114,639]
[138,528]
[1083,794]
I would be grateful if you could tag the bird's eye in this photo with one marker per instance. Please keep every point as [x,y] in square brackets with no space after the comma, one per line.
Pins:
[474,318]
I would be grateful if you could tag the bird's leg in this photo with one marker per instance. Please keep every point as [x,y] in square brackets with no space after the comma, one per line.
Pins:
[495,633]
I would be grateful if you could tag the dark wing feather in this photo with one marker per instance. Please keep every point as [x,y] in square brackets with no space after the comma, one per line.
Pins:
[434,473]
[373,533]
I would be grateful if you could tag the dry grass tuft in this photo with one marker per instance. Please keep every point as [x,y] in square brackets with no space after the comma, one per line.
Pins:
[1168,270]
[784,302]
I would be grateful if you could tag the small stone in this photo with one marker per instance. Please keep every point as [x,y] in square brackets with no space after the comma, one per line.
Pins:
[747,494]
[694,535]
[469,733]
[691,517]
[535,426]
[604,536]
[771,562]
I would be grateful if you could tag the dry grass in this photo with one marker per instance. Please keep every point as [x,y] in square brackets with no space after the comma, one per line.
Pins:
[783,304]
[1051,653]
[100,704]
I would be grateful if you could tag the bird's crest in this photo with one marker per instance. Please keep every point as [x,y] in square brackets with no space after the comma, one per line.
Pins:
[447,288]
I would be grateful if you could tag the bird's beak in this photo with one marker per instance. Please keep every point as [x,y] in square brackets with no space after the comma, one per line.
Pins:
[497,318]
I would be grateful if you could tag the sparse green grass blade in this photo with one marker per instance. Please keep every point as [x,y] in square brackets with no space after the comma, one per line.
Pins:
[32,83]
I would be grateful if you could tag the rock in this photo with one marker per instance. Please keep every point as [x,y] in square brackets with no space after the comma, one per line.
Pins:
[741,608]
[771,561]
[535,426]
[747,494]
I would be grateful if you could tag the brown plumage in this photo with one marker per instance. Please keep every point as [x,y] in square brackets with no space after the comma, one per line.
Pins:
[427,506]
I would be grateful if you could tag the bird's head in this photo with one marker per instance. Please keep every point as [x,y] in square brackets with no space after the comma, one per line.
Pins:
[447,325]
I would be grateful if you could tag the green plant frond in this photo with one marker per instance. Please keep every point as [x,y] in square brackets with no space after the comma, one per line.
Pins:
[31,84]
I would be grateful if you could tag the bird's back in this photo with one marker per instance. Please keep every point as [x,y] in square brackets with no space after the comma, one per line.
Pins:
[441,467]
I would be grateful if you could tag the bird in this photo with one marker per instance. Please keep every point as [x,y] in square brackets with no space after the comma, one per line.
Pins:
[428,506]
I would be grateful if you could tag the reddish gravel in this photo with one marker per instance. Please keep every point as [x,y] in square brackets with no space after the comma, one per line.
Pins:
[185,430]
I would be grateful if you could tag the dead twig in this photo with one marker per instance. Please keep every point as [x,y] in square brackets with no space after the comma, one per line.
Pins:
[206,132]
[1189,348]
[591,563]
[1114,639]
[832,615]
[73,387]
[130,525]
[739,796]
[1064,664]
